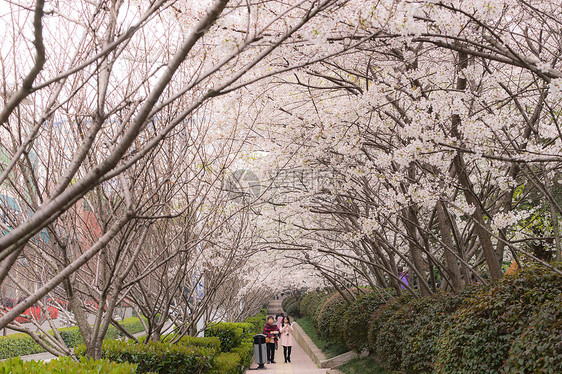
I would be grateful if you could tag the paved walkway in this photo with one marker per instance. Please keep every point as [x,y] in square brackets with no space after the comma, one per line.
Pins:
[300,362]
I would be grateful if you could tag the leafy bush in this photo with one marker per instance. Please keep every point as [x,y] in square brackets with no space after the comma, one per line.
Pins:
[380,316]
[246,352]
[318,306]
[21,344]
[247,328]
[483,331]
[226,363]
[395,330]
[65,365]
[18,345]
[71,336]
[209,342]
[257,321]
[292,307]
[287,301]
[159,357]
[310,302]
[229,333]
[420,349]
[330,315]
[539,348]
[357,319]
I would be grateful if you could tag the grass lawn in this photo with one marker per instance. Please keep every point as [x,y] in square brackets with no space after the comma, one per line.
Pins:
[329,349]
[361,365]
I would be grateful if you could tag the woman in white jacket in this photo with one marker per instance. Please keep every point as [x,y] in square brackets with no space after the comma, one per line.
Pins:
[286,338]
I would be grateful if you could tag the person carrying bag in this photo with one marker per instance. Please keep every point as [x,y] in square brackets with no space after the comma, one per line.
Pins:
[271,333]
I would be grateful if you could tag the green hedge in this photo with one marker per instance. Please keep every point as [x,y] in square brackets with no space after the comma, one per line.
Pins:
[65,365]
[18,344]
[209,342]
[226,348]
[395,330]
[158,357]
[257,321]
[511,326]
[293,309]
[483,331]
[226,363]
[291,306]
[379,318]
[288,300]
[357,319]
[21,344]
[330,314]
[229,333]
[246,352]
[539,348]
[310,302]
[236,361]
[133,325]
[420,349]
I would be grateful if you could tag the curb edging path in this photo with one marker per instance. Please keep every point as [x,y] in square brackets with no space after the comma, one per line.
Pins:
[316,354]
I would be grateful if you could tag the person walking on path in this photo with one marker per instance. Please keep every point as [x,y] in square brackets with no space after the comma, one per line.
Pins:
[279,318]
[287,338]
[271,333]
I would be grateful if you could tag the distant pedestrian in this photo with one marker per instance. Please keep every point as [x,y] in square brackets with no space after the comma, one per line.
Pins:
[404,278]
[287,338]
[279,318]
[271,333]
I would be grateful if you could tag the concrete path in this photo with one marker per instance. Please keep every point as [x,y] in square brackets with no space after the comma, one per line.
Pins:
[300,362]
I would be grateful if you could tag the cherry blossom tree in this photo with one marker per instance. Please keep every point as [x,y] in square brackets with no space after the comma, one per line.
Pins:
[438,128]
[130,73]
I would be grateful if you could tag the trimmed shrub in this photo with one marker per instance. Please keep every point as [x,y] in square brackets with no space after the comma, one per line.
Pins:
[310,302]
[257,321]
[380,317]
[226,363]
[229,333]
[65,365]
[133,325]
[357,319]
[247,328]
[293,309]
[419,351]
[330,315]
[483,331]
[18,344]
[71,336]
[211,342]
[236,361]
[159,357]
[21,344]
[539,348]
[287,301]
[208,342]
[318,306]
[246,353]
[395,330]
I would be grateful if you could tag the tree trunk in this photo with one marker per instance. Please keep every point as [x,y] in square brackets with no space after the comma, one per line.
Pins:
[482,230]
[450,259]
